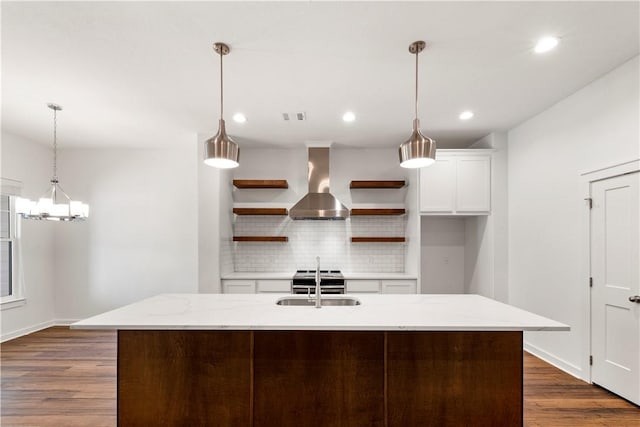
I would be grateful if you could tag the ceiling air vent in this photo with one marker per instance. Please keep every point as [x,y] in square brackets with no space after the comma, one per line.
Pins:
[302,116]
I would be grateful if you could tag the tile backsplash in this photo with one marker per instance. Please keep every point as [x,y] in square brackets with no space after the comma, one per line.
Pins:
[330,240]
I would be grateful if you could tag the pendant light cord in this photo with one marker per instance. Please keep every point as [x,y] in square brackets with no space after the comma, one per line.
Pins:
[416,107]
[55,146]
[221,90]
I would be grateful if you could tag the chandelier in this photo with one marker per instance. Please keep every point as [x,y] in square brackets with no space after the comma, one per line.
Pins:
[55,204]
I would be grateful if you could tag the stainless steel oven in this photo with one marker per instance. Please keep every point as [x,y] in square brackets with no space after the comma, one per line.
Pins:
[304,282]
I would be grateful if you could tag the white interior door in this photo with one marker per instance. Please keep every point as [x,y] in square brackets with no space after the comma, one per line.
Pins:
[615,269]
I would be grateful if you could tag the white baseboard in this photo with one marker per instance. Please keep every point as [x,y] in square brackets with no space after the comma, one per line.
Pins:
[28,330]
[35,328]
[559,363]
[65,322]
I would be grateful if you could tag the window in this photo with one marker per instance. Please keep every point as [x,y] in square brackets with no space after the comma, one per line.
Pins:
[6,247]
[10,289]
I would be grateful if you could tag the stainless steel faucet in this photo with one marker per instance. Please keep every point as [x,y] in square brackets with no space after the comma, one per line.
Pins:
[318,291]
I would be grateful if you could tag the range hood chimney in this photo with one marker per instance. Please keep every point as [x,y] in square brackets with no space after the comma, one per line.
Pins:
[319,203]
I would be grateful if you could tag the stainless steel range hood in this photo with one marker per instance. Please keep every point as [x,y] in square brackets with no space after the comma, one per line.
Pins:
[319,203]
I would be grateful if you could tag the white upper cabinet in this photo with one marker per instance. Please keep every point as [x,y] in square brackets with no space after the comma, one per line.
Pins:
[437,186]
[473,184]
[458,183]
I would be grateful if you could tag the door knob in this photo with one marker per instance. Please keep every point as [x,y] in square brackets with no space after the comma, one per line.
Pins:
[635,298]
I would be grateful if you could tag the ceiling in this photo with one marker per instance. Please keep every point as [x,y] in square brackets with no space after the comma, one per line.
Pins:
[143,74]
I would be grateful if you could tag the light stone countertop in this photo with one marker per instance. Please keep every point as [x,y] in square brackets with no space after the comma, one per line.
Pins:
[377,312]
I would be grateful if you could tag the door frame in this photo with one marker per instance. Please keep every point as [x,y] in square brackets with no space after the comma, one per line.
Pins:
[587,179]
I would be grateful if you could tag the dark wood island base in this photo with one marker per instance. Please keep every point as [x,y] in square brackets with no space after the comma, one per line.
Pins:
[319,378]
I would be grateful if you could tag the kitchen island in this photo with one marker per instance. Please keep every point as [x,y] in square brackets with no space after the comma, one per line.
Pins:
[393,360]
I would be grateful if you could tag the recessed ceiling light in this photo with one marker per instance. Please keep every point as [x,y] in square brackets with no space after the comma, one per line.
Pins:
[239,118]
[545,44]
[466,115]
[348,116]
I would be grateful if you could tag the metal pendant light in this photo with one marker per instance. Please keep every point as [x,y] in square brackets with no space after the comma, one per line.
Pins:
[220,150]
[419,150]
[55,204]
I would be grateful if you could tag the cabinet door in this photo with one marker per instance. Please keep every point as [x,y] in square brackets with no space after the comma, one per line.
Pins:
[473,182]
[239,286]
[437,186]
[399,287]
[363,286]
[278,286]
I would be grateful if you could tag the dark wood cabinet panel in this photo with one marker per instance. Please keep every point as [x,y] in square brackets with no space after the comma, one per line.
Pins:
[454,379]
[184,378]
[318,378]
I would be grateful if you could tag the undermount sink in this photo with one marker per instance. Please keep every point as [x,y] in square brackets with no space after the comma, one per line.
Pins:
[331,301]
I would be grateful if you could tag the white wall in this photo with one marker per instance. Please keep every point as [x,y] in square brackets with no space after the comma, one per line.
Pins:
[486,260]
[500,215]
[593,128]
[30,163]
[215,222]
[479,255]
[141,237]
[225,225]
[442,255]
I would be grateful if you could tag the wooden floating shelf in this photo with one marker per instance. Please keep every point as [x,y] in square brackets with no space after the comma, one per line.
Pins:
[377,184]
[381,211]
[377,239]
[260,239]
[261,211]
[260,183]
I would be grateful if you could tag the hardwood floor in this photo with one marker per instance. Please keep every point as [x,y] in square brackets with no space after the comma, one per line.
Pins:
[59,378]
[555,398]
[63,378]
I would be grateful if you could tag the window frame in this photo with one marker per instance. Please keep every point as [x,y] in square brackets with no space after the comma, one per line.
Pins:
[16,297]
